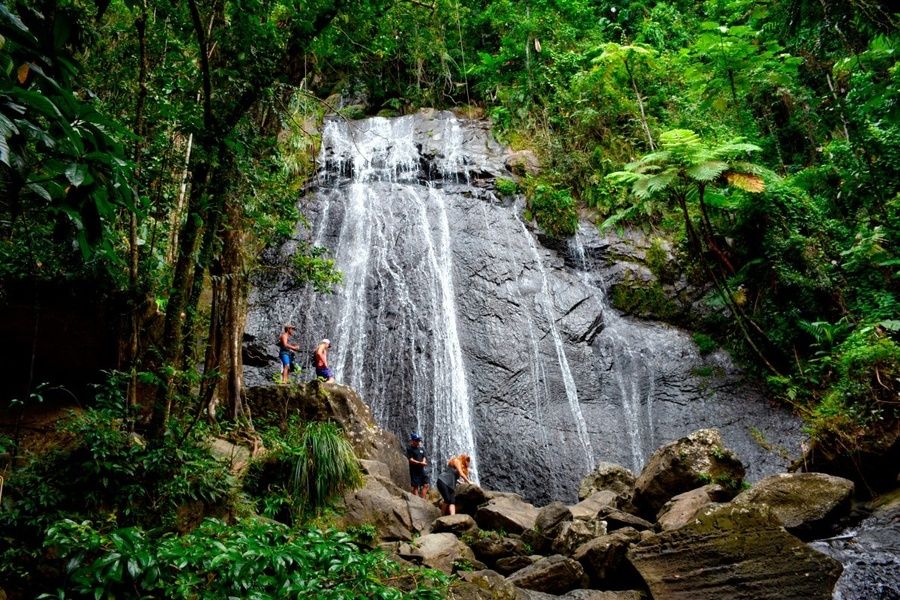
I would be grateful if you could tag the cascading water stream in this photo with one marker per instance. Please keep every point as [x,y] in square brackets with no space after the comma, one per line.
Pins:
[373,186]
[629,368]
[546,304]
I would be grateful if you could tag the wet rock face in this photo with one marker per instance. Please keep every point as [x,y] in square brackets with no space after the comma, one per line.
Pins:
[455,321]
[870,553]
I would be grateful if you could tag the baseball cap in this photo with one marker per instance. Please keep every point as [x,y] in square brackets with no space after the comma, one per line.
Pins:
[415,437]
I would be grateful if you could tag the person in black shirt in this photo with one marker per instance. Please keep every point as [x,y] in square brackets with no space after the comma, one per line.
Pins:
[417,461]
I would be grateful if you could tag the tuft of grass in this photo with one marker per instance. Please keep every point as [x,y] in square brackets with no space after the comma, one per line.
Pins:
[326,467]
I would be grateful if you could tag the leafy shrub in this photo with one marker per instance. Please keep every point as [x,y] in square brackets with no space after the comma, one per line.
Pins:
[506,187]
[705,344]
[106,473]
[554,210]
[253,558]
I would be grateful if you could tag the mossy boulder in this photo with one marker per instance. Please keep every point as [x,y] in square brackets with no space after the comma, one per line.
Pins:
[315,401]
[685,464]
[735,552]
[807,504]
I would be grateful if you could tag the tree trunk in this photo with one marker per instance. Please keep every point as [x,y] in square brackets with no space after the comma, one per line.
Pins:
[224,361]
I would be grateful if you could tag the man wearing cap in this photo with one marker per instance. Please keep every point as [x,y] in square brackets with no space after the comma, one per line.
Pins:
[286,351]
[417,461]
[322,370]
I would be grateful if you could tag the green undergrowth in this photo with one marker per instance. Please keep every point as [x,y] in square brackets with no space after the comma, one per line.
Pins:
[112,514]
[252,558]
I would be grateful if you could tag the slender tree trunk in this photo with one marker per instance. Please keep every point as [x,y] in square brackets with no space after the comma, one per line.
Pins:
[140,25]
[640,101]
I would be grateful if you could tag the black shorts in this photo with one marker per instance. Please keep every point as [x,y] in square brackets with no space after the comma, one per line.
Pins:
[448,493]
[418,479]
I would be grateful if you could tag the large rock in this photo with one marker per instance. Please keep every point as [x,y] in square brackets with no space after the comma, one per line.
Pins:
[683,508]
[395,513]
[442,551]
[683,465]
[510,564]
[591,506]
[458,525]
[469,497]
[807,504]
[492,584]
[617,519]
[316,401]
[604,561]
[236,456]
[608,476]
[507,513]
[490,547]
[734,552]
[521,304]
[547,525]
[573,534]
[552,575]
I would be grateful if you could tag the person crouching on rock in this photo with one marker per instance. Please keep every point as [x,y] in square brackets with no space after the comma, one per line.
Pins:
[457,470]
[417,461]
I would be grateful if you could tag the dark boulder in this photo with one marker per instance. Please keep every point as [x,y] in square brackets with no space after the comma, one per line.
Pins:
[552,575]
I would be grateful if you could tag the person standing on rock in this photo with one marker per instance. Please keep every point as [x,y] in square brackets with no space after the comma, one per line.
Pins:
[321,360]
[417,462]
[286,351]
[457,470]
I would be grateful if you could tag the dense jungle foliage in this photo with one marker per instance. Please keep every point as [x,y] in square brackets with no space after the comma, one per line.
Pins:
[155,148]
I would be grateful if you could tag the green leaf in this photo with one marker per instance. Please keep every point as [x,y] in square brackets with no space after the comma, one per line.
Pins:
[76,173]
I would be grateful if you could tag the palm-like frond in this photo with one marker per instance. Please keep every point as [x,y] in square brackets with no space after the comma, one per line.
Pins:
[733,148]
[746,182]
[707,170]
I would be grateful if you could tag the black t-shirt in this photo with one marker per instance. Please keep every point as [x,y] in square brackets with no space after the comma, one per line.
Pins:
[417,453]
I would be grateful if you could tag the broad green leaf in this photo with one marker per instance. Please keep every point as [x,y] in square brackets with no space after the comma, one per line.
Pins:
[76,173]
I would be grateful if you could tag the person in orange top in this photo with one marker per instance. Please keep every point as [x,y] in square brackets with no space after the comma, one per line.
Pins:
[457,470]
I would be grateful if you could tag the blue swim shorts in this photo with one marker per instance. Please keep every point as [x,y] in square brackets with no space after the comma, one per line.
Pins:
[285,357]
[324,372]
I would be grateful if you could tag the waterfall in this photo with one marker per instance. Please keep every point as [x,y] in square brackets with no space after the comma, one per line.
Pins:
[390,237]
[457,320]
[545,302]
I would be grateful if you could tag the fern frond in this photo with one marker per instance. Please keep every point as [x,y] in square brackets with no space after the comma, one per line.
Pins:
[623,177]
[660,181]
[733,148]
[706,171]
[722,201]
[682,141]
[752,169]
[746,182]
